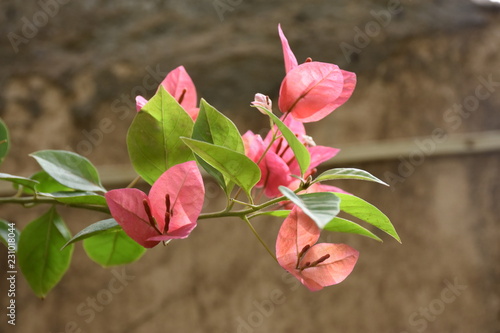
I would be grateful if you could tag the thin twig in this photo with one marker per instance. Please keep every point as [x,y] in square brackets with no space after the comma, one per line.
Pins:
[258,237]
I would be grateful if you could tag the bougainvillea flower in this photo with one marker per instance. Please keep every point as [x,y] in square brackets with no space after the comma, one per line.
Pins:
[170,211]
[279,163]
[314,265]
[180,85]
[312,90]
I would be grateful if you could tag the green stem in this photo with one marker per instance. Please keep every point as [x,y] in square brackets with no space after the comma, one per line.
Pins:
[241,213]
[271,123]
[26,201]
[258,237]
[132,184]
[243,203]
[32,200]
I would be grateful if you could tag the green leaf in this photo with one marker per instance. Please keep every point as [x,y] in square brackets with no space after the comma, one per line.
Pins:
[69,169]
[322,207]
[301,153]
[153,139]
[9,232]
[77,198]
[27,182]
[40,258]
[4,141]
[213,127]
[365,211]
[100,227]
[342,225]
[112,248]
[233,165]
[347,173]
[47,184]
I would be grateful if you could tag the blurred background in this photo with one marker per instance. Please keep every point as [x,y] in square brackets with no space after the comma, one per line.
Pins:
[425,117]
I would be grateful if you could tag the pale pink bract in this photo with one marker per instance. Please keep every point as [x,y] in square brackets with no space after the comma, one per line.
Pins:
[314,265]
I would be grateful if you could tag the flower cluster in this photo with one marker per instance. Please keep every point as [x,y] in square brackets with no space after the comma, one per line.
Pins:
[172,136]
[309,92]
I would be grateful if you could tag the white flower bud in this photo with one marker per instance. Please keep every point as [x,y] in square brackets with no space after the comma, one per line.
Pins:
[308,140]
[263,101]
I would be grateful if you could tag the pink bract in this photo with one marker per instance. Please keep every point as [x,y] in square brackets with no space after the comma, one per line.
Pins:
[312,90]
[314,265]
[289,57]
[170,211]
[180,85]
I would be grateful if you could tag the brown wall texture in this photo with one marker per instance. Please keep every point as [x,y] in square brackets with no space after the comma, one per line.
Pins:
[427,71]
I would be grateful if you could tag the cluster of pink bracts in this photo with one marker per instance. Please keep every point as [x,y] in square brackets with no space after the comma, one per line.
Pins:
[308,93]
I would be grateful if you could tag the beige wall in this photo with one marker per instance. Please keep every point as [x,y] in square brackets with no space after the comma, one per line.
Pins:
[430,59]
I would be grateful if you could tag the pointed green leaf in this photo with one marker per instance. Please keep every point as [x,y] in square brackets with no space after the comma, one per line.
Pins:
[347,173]
[213,127]
[301,153]
[4,141]
[9,235]
[365,211]
[153,139]
[42,262]
[112,248]
[322,207]
[233,165]
[27,182]
[342,225]
[46,184]
[100,227]
[69,169]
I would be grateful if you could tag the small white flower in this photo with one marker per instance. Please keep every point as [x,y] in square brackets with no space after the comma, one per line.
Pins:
[263,101]
[308,140]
